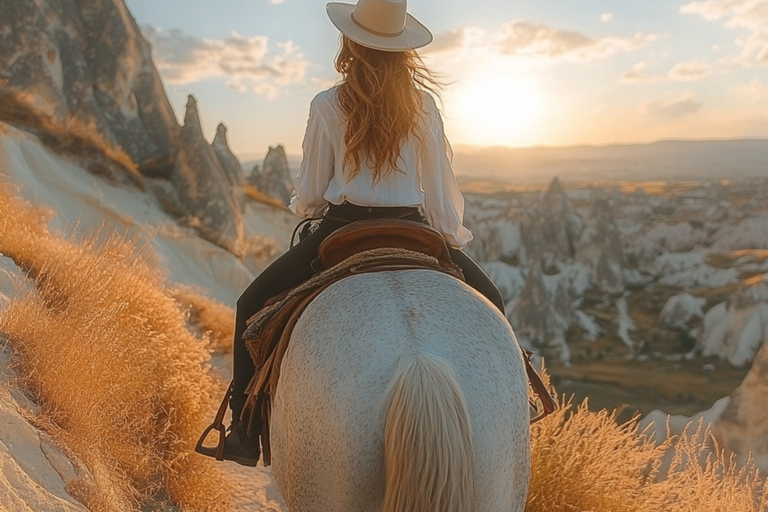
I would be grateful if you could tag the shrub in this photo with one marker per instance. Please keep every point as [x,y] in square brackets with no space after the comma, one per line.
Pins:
[214,319]
[584,460]
[103,347]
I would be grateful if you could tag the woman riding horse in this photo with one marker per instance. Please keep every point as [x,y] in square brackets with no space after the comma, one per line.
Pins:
[374,148]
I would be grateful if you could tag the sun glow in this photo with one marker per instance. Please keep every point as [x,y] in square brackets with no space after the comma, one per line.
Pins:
[495,109]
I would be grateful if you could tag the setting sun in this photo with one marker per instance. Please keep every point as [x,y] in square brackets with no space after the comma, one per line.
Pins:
[494,109]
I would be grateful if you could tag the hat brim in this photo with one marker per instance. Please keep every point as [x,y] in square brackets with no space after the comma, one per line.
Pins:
[414,35]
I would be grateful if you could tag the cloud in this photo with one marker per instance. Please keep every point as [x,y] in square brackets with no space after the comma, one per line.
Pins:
[638,74]
[684,71]
[606,17]
[674,108]
[527,40]
[247,62]
[538,40]
[747,15]
[690,70]
[451,40]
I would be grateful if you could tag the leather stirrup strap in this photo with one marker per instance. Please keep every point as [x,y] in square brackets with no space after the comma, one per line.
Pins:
[218,424]
[548,404]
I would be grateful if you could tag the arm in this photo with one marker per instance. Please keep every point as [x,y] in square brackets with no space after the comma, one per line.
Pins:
[443,201]
[316,168]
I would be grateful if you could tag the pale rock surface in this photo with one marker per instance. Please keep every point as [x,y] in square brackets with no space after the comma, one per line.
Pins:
[35,472]
[507,278]
[497,238]
[702,276]
[541,313]
[625,325]
[633,278]
[675,262]
[735,330]
[588,325]
[680,310]
[83,204]
[10,280]
[657,424]
[748,233]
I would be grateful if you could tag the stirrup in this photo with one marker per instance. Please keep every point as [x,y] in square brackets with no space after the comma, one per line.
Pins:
[218,424]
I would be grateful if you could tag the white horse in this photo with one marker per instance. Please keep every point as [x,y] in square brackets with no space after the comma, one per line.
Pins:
[402,391]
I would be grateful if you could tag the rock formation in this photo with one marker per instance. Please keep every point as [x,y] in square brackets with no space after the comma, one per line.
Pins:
[541,314]
[599,248]
[274,179]
[743,425]
[681,310]
[736,329]
[554,232]
[230,164]
[87,60]
[204,187]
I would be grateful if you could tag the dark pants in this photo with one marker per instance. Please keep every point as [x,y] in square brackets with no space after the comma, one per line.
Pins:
[295,266]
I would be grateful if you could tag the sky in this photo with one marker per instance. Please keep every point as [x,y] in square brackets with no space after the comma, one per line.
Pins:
[517,73]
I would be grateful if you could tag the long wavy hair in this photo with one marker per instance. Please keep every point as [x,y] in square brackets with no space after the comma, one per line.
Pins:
[380,99]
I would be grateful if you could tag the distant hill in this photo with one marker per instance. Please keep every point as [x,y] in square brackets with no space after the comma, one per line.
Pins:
[665,160]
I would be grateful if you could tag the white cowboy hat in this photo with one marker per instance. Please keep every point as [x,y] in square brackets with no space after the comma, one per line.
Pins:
[379,24]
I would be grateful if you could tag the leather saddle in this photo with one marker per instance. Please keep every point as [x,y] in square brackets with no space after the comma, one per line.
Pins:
[364,235]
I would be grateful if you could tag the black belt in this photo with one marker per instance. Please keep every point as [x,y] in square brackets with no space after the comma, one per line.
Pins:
[348,212]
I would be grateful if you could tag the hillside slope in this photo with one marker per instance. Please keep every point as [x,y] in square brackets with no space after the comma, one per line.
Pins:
[37,475]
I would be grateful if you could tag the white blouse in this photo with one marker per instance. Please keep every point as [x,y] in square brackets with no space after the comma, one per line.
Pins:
[427,180]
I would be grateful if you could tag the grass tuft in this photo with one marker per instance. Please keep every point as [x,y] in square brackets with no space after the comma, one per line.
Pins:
[584,460]
[257,195]
[214,319]
[103,347]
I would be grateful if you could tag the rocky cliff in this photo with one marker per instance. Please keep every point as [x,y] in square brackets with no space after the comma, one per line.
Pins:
[86,61]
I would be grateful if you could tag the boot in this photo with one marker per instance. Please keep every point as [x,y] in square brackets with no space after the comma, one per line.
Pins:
[239,447]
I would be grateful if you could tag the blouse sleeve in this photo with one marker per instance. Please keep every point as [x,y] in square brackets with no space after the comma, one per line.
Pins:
[316,168]
[443,201]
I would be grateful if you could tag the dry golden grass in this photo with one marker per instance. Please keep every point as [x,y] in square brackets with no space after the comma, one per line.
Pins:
[585,461]
[215,320]
[103,347]
[72,138]
[257,195]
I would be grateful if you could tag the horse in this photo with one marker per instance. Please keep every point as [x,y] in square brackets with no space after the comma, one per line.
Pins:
[401,391]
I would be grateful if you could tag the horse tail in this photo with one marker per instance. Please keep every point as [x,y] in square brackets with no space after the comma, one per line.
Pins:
[429,460]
